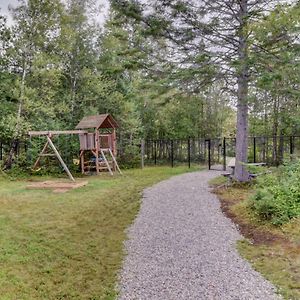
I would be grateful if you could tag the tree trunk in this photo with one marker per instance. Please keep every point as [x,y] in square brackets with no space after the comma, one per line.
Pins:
[15,140]
[275,131]
[281,148]
[241,173]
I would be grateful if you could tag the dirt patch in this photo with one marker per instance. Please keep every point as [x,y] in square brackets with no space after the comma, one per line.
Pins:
[255,234]
[57,186]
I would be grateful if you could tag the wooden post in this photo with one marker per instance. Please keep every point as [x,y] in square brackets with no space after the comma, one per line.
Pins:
[42,152]
[97,145]
[115,162]
[114,142]
[82,161]
[60,159]
[142,153]
[106,162]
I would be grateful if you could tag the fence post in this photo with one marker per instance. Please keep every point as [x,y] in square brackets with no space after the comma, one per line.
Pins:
[172,153]
[224,154]
[254,149]
[1,150]
[291,146]
[155,154]
[209,154]
[189,152]
[142,153]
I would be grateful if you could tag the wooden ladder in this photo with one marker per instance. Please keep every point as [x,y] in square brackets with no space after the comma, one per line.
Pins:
[107,162]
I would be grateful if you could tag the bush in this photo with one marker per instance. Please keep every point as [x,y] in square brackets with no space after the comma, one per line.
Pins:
[277,198]
[130,158]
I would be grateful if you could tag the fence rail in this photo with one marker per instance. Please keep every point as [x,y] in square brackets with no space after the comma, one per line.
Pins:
[272,150]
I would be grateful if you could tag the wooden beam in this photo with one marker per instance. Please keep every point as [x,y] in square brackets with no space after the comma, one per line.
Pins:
[82,161]
[56,132]
[39,157]
[60,159]
[97,145]
[106,162]
[115,161]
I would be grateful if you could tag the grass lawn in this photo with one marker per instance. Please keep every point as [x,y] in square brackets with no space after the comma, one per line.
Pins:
[69,246]
[273,251]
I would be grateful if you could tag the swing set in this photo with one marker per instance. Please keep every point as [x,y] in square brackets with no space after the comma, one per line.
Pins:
[98,147]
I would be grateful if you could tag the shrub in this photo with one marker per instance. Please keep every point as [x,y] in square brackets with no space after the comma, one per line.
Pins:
[130,158]
[277,197]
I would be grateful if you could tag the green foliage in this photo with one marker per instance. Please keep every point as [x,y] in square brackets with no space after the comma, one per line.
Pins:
[131,158]
[277,72]
[278,195]
[57,66]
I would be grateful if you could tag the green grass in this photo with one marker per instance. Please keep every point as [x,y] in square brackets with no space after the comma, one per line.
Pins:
[69,246]
[218,181]
[273,251]
[280,264]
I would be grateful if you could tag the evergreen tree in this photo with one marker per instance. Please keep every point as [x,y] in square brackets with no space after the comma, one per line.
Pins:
[217,34]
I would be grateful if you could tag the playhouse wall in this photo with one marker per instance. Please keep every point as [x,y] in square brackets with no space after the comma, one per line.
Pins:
[87,141]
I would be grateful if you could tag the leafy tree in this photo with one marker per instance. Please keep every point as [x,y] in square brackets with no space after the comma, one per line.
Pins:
[277,76]
[32,34]
[205,34]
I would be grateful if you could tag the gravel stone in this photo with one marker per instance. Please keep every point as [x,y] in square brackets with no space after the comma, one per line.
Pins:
[181,246]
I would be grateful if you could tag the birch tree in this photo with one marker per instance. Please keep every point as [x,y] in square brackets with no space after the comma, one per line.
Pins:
[36,24]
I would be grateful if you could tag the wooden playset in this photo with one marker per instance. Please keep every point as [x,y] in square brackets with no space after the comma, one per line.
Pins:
[97,136]
[101,143]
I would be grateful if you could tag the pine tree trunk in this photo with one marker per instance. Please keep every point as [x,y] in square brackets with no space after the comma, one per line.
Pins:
[241,173]
[275,131]
[280,148]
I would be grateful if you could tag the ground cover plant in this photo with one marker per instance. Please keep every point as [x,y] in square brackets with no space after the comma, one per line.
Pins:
[273,250]
[277,196]
[69,246]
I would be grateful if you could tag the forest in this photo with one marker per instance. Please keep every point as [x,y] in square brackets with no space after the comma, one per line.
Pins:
[164,70]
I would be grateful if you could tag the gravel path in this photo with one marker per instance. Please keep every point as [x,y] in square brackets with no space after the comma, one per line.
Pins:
[181,246]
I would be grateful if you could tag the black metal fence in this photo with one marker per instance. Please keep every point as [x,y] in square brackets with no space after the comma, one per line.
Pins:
[216,152]
[213,152]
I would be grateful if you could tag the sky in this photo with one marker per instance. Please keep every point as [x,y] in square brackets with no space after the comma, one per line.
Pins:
[4,6]
[5,3]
